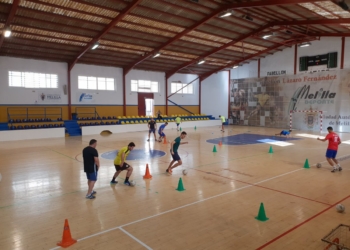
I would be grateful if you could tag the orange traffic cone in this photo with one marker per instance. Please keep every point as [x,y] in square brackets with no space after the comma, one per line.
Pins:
[147,174]
[66,238]
[164,140]
[220,143]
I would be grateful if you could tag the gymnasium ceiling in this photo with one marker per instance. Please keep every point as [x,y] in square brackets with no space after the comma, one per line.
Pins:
[184,32]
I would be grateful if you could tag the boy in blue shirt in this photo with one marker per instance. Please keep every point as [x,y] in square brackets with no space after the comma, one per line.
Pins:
[285,132]
[160,131]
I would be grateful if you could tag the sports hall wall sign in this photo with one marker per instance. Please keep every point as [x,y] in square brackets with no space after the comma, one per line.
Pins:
[268,101]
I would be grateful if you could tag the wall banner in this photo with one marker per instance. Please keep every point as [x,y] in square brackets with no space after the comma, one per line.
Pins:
[86,98]
[268,101]
[49,98]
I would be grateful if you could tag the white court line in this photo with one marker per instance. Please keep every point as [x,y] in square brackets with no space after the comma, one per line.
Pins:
[190,204]
[136,239]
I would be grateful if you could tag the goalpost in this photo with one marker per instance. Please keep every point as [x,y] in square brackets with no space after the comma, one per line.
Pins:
[320,112]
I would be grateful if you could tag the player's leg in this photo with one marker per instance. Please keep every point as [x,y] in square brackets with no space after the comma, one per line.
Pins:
[336,161]
[169,167]
[92,177]
[129,170]
[329,156]
[154,133]
[118,170]
[149,134]
[177,158]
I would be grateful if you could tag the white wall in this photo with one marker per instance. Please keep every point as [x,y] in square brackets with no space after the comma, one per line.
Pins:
[101,97]
[131,97]
[13,95]
[215,91]
[247,70]
[281,60]
[184,99]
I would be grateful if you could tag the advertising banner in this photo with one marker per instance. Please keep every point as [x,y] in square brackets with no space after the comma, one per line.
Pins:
[268,101]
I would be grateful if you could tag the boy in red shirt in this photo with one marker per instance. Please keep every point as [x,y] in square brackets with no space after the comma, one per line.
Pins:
[333,142]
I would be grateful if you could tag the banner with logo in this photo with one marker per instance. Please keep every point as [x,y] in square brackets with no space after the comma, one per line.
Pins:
[49,98]
[268,101]
[86,98]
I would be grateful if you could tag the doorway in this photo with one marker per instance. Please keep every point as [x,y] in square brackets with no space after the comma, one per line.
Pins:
[145,104]
[149,106]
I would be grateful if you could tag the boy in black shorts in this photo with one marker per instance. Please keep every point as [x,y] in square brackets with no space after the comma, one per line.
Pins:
[120,164]
[152,126]
[173,150]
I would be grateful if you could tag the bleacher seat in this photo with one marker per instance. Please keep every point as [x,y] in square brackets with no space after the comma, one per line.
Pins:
[56,125]
[96,123]
[109,118]
[123,122]
[108,123]
[11,121]
[12,127]
[20,127]
[33,126]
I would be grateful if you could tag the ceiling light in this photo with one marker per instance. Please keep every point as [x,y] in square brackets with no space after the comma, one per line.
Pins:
[201,61]
[95,46]
[235,67]
[7,32]
[307,44]
[226,13]
[156,55]
[267,36]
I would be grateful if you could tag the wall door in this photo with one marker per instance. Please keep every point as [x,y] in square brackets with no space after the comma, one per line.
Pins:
[142,102]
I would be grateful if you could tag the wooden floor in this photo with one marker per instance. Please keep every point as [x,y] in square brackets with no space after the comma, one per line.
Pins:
[43,184]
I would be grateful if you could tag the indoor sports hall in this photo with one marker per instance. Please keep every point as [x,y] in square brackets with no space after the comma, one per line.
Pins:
[250,98]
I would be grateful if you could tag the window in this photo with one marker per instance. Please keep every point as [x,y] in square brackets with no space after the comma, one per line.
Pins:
[32,80]
[144,86]
[178,86]
[95,83]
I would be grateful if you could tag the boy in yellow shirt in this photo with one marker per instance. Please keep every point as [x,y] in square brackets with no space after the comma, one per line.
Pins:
[178,121]
[120,164]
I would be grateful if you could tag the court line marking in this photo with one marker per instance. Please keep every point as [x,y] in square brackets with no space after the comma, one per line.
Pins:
[300,224]
[136,239]
[184,206]
[271,189]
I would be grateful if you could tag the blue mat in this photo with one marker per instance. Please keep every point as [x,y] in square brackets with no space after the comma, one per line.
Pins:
[245,139]
[136,154]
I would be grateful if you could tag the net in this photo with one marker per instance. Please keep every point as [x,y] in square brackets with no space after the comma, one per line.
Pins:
[338,238]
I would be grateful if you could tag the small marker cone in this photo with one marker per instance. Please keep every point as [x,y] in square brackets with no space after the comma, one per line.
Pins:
[164,140]
[214,149]
[147,173]
[66,238]
[180,186]
[180,129]
[306,164]
[220,143]
[261,215]
[270,150]
[195,127]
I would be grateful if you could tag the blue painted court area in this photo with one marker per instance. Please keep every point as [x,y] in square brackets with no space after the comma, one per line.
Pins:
[136,154]
[244,139]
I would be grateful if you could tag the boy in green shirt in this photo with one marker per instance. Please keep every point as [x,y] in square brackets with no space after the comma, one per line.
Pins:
[223,119]
[173,150]
[178,121]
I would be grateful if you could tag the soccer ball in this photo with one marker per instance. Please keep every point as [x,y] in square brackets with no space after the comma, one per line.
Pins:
[340,208]
[132,183]
[318,165]
[185,172]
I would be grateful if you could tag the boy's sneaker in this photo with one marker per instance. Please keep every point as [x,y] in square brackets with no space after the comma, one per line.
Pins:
[114,182]
[93,192]
[90,196]
[339,168]
[148,140]
[169,171]
[127,183]
[334,170]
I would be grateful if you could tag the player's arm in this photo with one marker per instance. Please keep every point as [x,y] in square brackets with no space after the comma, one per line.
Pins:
[322,139]
[339,141]
[184,142]
[171,147]
[122,159]
[97,162]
